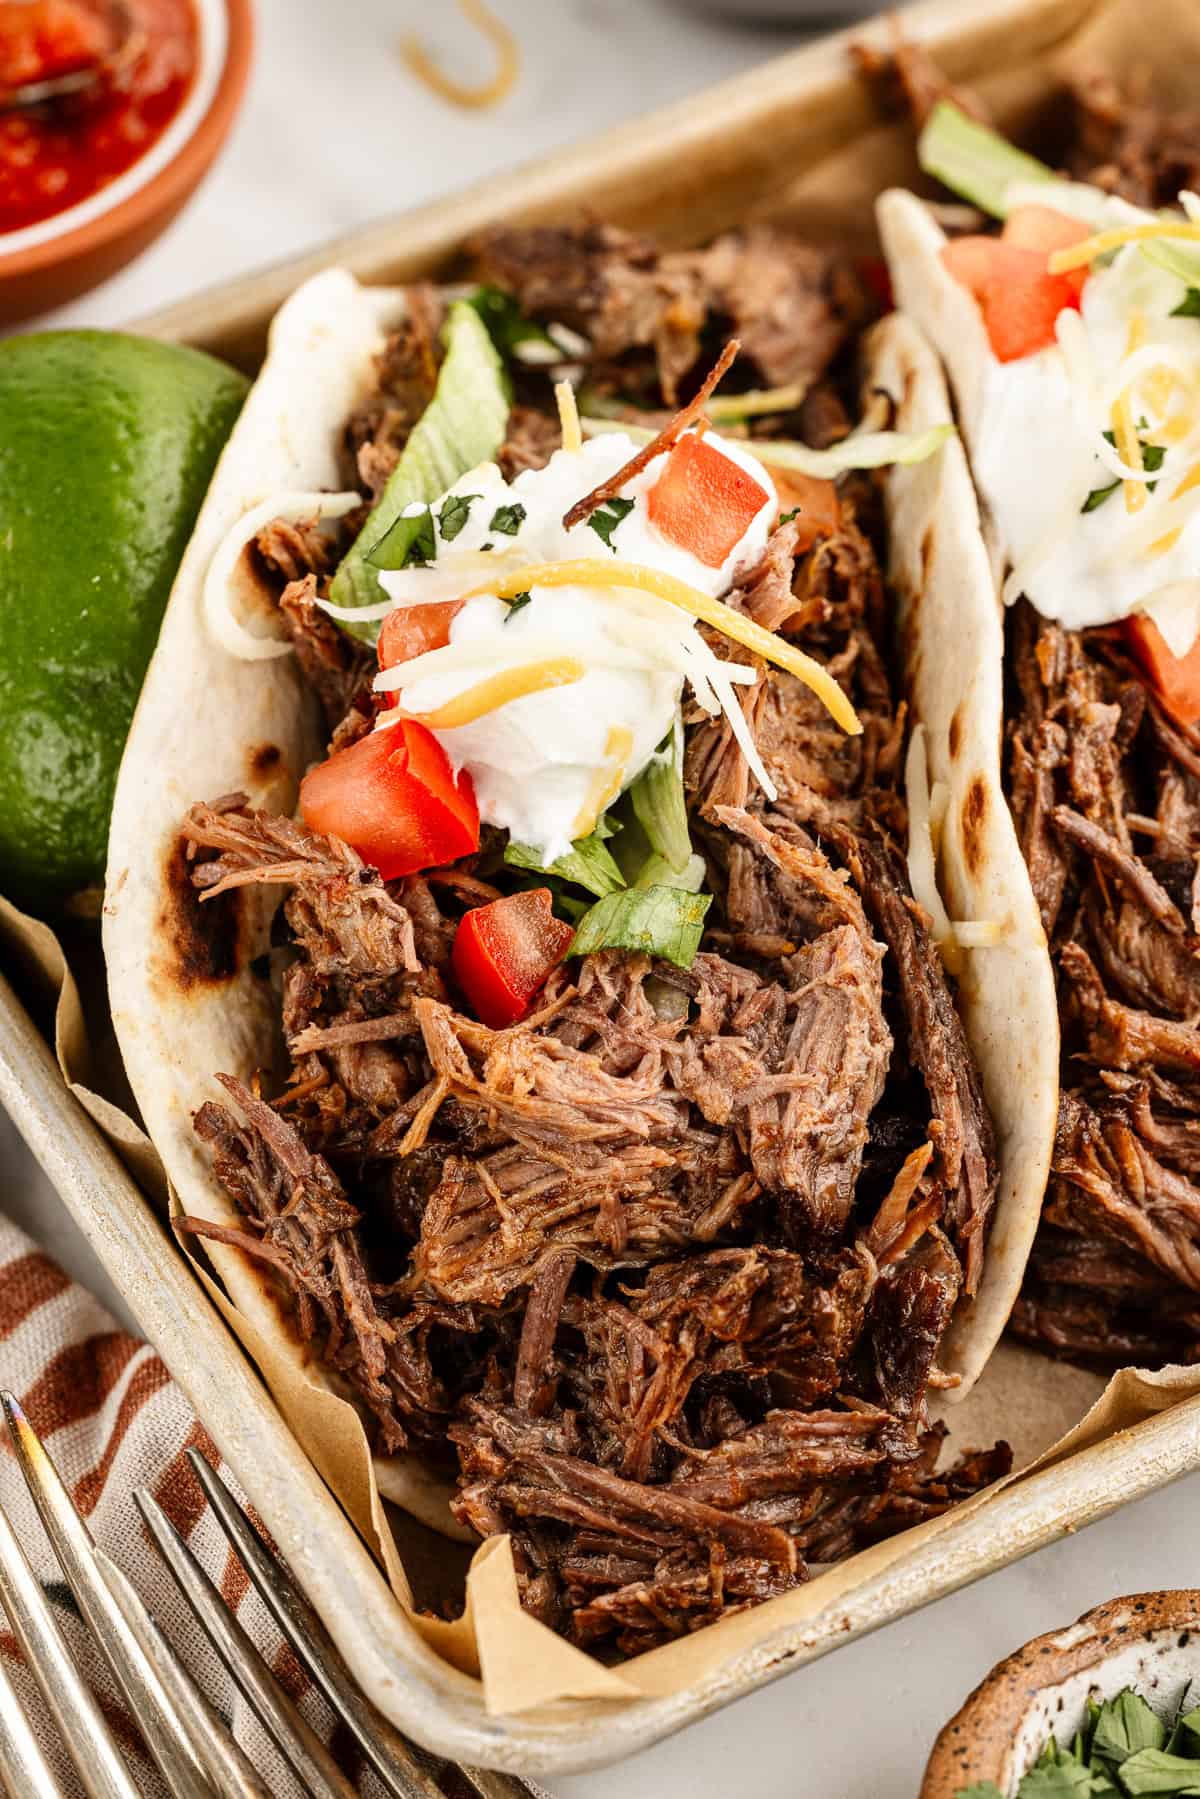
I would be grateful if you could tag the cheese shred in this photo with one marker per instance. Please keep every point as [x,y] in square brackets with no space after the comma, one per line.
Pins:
[499,689]
[1078,256]
[465,93]
[568,416]
[590,572]
[606,782]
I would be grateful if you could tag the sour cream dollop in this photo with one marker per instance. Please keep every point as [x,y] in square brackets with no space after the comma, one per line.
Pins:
[542,763]
[1042,462]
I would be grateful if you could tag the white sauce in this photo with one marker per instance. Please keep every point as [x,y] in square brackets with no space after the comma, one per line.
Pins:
[535,761]
[1036,462]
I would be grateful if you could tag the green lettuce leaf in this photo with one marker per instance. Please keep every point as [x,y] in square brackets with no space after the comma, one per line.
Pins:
[589,863]
[1125,1725]
[656,871]
[1155,1771]
[658,921]
[973,160]
[658,802]
[462,426]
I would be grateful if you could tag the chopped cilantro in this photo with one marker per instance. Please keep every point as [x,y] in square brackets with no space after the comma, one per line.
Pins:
[1189,306]
[410,543]
[1121,1749]
[515,604]
[456,510]
[606,518]
[785,518]
[507,520]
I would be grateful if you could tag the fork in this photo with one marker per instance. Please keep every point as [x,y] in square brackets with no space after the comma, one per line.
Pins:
[192,1747]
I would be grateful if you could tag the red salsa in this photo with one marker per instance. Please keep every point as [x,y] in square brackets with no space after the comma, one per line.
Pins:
[136,60]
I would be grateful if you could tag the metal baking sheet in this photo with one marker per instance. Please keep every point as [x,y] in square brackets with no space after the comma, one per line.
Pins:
[698,165]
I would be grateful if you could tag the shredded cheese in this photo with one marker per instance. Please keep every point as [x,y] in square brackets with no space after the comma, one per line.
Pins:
[1126,439]
[217,600]
[499,689]
[568,415]
[606,782]
[588,571]
[1078,256]
[464,93]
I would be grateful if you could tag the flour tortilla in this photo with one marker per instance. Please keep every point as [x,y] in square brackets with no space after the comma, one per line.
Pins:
[952,632]
[186,1001]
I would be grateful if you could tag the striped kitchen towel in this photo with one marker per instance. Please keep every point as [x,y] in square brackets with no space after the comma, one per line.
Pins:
[113,1419]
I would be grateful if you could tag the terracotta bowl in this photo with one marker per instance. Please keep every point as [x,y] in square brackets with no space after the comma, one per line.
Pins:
[1148,1641]
[61,258]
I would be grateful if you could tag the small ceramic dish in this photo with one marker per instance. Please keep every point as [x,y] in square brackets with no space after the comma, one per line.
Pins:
[45,264]
[1148,1641]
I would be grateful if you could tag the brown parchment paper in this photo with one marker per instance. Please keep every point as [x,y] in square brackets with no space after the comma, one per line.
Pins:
[1049,1412]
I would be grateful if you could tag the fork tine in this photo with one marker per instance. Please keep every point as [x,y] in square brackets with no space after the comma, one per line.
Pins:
[72,1543]
[228,1768]
[393,1761]
[302,1747]
[23,1767]
[86,1736]
[490,1784]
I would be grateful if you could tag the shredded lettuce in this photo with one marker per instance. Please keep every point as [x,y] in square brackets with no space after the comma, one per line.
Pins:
[974,161]
[657,921]
[658,802]
[656,871]
[1177,256]
[462,426]
[862,449]
[588,864]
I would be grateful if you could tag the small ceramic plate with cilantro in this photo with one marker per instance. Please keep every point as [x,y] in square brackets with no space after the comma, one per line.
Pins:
[1107,1709]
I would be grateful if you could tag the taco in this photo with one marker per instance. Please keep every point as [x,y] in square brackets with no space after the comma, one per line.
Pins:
[522,925]
[1070,331]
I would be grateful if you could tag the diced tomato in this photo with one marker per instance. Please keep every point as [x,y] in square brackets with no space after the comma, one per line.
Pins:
[818,511]
[703,501]
[503,954]
[971,260]
[1175,678]
[43,39]
[1019,299]
[1043,228]
[411,630]
[394,797]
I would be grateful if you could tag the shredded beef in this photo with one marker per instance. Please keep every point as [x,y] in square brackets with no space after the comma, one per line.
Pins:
[792,306]
[658,1275]
[908,80]
[1118,136]
[1125,142]
[1106,795]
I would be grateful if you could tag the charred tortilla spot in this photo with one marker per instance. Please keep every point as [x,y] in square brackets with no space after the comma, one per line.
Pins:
[202,939]
[264,760]
[928,546]
[974,820]
[956,732]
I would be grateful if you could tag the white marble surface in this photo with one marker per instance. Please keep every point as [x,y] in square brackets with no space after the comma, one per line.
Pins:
[334,135]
